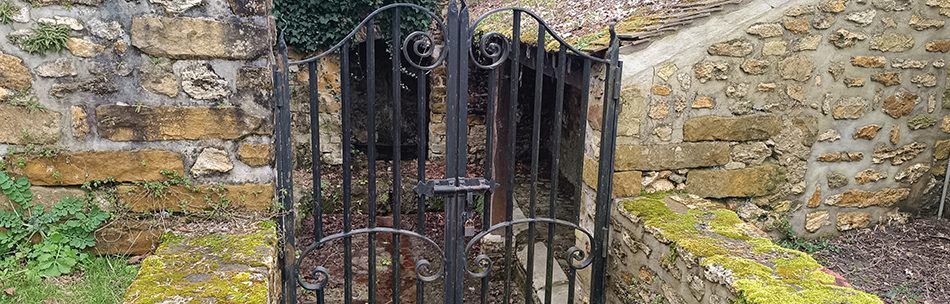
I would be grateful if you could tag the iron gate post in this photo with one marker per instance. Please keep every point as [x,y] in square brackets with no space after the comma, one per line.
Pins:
[608,142]
[285,225]
[456,148]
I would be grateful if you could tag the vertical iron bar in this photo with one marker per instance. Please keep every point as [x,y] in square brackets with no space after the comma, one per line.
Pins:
[512,116]
[397,144]
[371,152]
[315,149]
[489,174]
[285,179]
[465,42]
[535,153]
[456,148]
[579,195]
[451,122]
[279,148]
[421,106]
[608,143]
[461,142]
[347,172]
[555,163]
[315,155]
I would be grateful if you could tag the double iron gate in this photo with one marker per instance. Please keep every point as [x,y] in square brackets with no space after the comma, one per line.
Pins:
[457,260]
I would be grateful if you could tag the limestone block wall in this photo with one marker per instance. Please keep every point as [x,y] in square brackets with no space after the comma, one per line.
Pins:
[816,115]
[827,115]
[141,91]
[330,110]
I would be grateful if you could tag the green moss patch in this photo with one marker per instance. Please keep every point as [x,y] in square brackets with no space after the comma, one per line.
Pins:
[756,268]
[590,37]
[216,268]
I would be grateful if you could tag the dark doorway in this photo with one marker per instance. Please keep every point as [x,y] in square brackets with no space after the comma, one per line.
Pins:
[408,124]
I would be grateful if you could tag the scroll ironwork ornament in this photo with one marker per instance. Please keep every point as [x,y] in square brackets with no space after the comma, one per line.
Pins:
[494,46]
[418,38]
[493,36]
[322,276]
[421,45]
[579,259]
[424,269]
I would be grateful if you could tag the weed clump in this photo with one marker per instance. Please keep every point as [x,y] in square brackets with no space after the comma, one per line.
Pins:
[7,11]
[45,38]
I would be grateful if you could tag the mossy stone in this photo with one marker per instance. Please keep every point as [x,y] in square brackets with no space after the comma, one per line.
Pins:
[758,270]
[216,268]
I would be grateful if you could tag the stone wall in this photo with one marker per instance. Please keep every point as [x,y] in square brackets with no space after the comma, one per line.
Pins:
[818,116]
[829,115]
[683,249]
[330,108]
[142,91]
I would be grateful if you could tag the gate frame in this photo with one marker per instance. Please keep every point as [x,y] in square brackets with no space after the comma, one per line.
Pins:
[458,33]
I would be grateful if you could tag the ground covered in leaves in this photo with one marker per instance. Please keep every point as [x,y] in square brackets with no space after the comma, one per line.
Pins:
[901,264]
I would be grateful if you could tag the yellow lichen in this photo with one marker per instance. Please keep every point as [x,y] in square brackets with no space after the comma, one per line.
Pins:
[760,271]
[193,269]
[599,39]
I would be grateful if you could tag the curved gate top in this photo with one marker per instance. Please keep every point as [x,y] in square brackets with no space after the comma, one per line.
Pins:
[398,245]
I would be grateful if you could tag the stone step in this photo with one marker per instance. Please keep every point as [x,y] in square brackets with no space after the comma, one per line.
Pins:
[559,286]
[517,214]
[236,267]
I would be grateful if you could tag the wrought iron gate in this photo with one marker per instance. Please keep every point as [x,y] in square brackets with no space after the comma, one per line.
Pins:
[457,50]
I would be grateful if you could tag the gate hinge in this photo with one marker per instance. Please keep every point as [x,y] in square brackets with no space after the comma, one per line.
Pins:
[432,188]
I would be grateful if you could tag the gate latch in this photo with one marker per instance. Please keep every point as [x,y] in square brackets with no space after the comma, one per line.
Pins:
[432,188]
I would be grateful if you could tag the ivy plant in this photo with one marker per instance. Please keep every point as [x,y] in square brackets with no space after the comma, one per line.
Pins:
[311,25]
[49,241]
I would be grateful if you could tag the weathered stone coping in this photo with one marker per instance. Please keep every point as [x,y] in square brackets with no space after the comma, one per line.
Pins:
[216,268]
[736,254]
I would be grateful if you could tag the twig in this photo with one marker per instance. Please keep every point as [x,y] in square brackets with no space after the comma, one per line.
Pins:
[940,237]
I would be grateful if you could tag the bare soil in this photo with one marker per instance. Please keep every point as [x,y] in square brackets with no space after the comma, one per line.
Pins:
[901,264]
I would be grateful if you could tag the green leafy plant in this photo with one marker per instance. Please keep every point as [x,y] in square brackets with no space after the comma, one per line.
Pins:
[905,292]
[794,242]
[7,11]
[25,98]
[158,189]
[45,38]
[479,205]
[310,25]
[176,186]
[48,240]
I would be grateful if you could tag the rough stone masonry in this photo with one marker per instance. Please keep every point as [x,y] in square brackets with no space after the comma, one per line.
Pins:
[818,115]
[142,91]
[793,111]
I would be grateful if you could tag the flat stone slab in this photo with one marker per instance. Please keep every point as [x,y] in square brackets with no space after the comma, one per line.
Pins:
[78,167]
[245,197]
[671,156]
[559,286]
[747,182]
[739,128]
[197,38]
[216,268]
